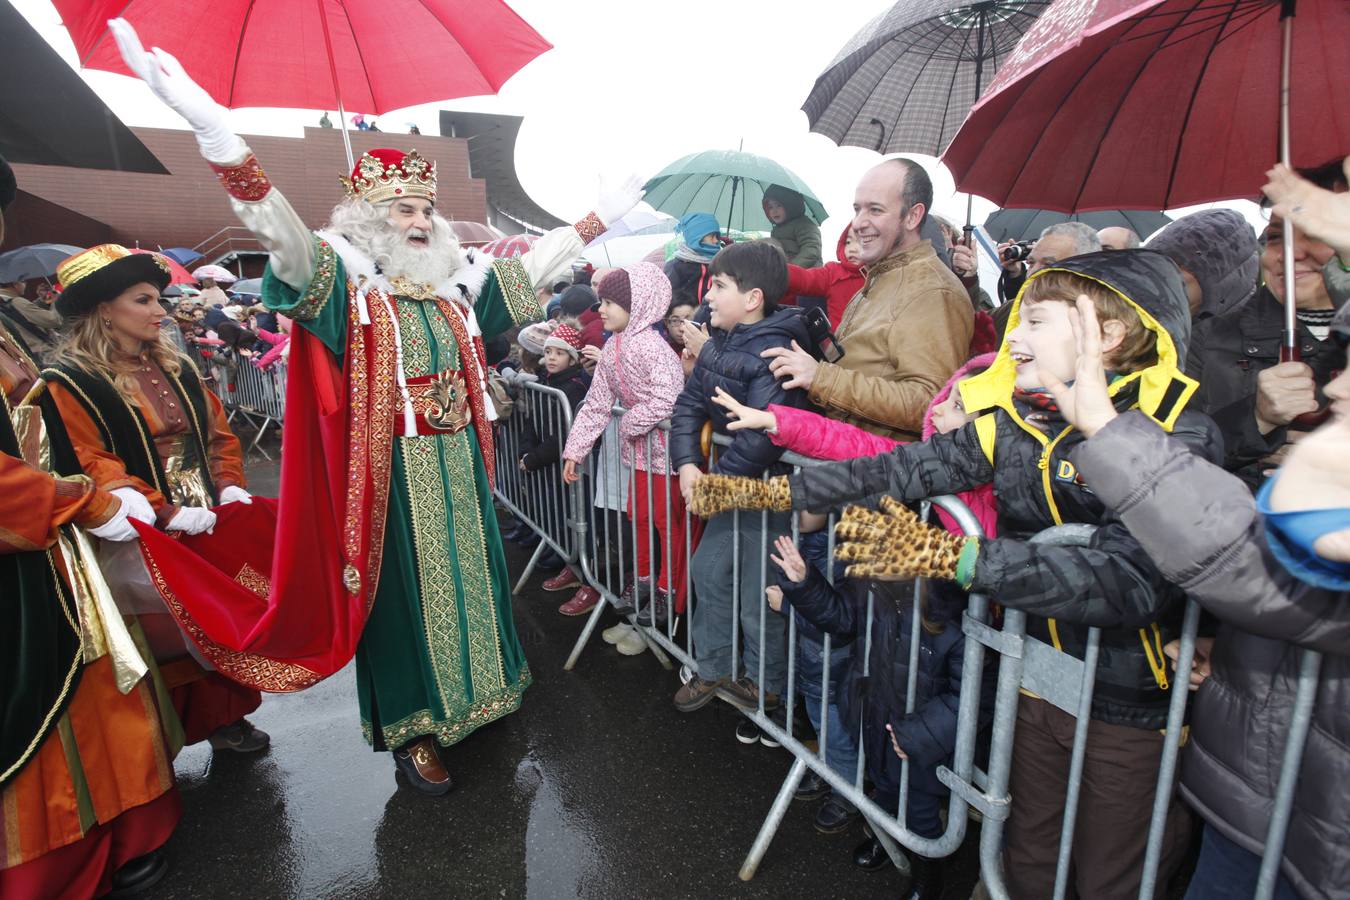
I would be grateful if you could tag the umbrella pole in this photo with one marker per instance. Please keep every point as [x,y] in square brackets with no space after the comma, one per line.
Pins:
[979,78]
[1289,351]
[337,91]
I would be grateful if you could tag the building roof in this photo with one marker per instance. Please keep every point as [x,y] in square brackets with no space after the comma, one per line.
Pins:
[492,157]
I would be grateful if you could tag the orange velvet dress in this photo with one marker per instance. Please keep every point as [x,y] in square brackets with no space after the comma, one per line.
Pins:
[98,790]
[204,700]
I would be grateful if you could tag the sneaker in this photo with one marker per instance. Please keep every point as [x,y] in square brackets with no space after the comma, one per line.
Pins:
[697,694]
[240,737]
[563,580]
[616,633]
[834,817]
[582,602]
[660,602]
[747,732]
[744,693]
[812,787]
[632,643]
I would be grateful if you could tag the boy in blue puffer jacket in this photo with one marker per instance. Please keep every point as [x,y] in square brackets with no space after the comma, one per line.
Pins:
[748,280]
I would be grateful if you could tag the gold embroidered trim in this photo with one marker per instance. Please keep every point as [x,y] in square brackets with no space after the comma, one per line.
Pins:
[253,580]
[246,181]
[147,442]
[320,287]
[455,729]
[518,291]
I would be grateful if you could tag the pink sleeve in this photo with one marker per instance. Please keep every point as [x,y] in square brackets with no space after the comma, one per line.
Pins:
[593,416]
[818,437]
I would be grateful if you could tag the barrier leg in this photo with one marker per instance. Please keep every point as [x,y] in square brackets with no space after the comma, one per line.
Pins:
[529,569]
[592,621]
[773,820]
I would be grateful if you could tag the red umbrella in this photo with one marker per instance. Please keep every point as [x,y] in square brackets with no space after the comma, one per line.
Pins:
[366,55]
[1122,104]
[474,232]
[178,274]
[1152,105]
[512,245]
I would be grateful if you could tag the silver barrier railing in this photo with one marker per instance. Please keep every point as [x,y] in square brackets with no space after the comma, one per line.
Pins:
[258,396]
[541,416]
[607,560]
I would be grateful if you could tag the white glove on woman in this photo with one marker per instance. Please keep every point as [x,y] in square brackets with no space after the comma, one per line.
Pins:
[192,520]
[165,76]
[119,527]
[233,494]
[617,201]
[134,502]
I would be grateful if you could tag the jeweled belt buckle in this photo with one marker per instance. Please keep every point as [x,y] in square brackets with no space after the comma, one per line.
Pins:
[449,410]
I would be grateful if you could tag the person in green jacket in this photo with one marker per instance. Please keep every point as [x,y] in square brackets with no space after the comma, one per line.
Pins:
[792,230]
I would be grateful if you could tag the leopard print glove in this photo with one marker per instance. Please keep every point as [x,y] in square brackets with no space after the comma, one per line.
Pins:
[715,494]
[894,545]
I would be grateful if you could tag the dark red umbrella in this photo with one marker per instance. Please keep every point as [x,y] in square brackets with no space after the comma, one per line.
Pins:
[366,56]
[177,274]
[1122,104]
[1110,104]
[474,233]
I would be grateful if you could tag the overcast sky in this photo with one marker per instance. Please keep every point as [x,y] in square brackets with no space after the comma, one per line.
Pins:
[629,87]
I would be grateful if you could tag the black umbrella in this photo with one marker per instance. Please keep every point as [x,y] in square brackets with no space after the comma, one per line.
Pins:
[49,116]
[904,83]
[33,261]
[1027,224]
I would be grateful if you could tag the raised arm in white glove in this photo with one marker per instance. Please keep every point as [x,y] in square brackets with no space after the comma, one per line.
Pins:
[118,528]
[192,520]
[134,502]
[165,76]
[618,200]
[234,494]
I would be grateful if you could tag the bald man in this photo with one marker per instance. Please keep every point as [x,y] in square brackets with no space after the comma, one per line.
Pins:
[906,331]
[1117,238]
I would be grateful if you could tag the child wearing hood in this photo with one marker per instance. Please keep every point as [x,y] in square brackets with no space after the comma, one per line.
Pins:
[793,231]
[838,282]
[700,240]
[1022,443]
[639,371]
[748,281]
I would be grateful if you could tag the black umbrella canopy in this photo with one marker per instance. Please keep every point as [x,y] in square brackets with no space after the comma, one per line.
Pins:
[1027,224]
[49,116]
[904,83]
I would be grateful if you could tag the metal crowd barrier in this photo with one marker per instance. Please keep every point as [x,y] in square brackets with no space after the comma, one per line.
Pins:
[595,538]
[257,396]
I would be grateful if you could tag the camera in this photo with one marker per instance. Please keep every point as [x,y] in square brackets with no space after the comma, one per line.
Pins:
[1018,251]
[824,345]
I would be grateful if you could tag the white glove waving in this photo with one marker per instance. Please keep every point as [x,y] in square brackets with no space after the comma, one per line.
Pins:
[119,527]
[192,520]
[233,494]
[166,78]
[618,200]
[134,502]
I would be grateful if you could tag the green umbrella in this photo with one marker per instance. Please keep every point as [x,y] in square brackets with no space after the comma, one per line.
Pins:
[727,183]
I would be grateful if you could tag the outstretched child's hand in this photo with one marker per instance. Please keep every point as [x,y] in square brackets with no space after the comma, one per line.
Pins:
[894,545]
[1087,405]
[773,595]
[743,416]
[570,475]
[789,559]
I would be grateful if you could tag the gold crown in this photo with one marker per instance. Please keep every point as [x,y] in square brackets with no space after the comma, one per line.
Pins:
[396,176]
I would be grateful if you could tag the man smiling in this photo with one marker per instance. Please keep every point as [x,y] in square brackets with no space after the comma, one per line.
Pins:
[908,328]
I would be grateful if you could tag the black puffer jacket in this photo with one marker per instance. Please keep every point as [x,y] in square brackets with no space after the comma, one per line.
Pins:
[1111,583]
[1201,527]
[731,360]
[1226,355]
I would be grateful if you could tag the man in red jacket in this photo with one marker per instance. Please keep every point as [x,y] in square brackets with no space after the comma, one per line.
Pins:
[837,282]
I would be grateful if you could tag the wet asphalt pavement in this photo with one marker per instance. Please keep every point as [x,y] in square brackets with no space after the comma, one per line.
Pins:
[597,787]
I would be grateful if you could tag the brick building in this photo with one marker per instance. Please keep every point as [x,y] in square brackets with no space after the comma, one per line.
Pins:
[187,207]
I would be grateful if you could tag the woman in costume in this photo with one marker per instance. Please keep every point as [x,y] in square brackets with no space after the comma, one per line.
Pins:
[138,417]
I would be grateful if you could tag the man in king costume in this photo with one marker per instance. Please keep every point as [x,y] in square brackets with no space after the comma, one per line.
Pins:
[386,290]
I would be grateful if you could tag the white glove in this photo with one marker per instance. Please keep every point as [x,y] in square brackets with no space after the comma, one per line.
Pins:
[119,527]
[166,78]
[134,502]
[192,520]
[617,201]
[233,494]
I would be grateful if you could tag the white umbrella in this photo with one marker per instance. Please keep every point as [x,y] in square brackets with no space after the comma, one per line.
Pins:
[218,274]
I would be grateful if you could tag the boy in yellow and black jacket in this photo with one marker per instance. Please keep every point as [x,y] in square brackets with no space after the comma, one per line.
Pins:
[1022,444]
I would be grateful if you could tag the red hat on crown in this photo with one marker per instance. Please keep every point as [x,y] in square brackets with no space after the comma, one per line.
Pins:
[387,174]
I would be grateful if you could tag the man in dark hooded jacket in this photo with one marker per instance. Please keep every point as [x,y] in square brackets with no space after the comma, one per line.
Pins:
[1219,259]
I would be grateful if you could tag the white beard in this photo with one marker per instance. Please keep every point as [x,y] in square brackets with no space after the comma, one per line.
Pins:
[390,249]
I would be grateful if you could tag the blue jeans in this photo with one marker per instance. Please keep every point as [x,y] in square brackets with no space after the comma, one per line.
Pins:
[841,754]
[1227,871]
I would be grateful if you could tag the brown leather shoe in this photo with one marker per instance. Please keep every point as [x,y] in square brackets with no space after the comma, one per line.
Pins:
[421,765]
[744,693]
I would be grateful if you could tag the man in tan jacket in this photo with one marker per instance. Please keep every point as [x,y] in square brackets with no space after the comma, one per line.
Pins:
[906,331]
[37,325]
